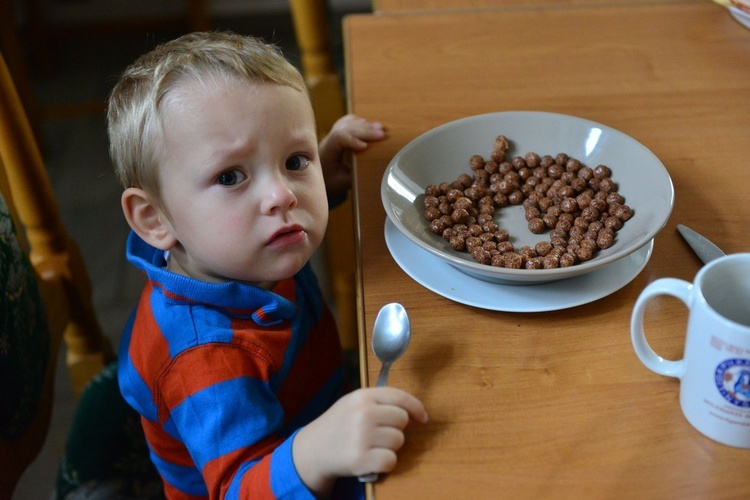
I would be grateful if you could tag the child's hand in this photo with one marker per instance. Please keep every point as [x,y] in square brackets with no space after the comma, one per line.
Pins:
[349,133]
[359,434]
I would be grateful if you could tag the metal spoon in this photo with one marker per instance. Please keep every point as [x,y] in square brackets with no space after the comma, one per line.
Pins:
[390,338]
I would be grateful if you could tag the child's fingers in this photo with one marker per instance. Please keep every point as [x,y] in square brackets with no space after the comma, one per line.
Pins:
[381,460]
[353,143]
[394,416]
[359,140]
[388,437]
[369,130]
[402,399]
[359,127]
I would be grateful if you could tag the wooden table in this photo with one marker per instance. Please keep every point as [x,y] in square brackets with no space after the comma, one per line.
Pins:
[402,6]
[556,404]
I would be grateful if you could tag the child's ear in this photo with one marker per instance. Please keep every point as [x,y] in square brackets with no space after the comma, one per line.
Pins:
[146,219]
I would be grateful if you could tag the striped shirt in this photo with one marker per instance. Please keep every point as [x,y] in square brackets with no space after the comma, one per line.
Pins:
[224,374]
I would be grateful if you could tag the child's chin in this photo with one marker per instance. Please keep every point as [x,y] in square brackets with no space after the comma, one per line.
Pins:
[286,271]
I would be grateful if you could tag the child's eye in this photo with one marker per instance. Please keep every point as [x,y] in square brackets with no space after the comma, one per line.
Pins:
[297,162]
[230,178]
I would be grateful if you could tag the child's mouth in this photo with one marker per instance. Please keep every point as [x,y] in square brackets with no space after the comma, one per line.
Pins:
[286,237]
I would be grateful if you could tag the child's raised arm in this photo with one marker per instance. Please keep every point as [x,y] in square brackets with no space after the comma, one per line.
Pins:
[349,133]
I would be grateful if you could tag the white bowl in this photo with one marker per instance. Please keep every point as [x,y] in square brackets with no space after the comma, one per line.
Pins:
[741,16]
[442,154]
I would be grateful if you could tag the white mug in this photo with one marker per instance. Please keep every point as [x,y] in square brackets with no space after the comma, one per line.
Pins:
[714,372]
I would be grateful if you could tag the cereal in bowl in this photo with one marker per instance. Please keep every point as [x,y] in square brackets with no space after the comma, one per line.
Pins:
[578,205]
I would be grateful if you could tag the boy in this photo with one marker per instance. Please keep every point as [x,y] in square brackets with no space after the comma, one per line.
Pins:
[231,357]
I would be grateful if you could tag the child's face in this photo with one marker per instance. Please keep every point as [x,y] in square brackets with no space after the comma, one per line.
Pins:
[241,182]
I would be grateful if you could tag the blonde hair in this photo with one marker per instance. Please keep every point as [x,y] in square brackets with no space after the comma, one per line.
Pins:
[135,106]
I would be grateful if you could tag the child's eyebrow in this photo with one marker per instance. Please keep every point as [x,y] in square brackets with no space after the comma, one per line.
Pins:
[303,137]
[233,152]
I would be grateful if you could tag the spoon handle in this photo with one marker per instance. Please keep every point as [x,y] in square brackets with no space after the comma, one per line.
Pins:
[368,478]
[383,375]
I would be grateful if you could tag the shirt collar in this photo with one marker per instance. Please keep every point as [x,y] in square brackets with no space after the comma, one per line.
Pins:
[237,299]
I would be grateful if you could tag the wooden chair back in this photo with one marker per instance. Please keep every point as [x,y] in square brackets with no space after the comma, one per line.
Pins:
[57,271]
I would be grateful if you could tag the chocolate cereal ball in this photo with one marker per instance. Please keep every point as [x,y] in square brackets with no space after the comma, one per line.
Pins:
[578,206]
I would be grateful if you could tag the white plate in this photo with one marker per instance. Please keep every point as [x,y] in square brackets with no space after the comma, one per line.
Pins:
[438,276]
[442,154]
[741,16]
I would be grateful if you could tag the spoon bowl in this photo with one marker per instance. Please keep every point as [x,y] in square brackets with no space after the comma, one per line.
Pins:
[390,337]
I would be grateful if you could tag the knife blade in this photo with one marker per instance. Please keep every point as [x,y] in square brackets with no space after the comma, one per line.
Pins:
[702,246]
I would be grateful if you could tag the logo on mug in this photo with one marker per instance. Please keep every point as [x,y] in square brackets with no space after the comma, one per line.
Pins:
[732,378]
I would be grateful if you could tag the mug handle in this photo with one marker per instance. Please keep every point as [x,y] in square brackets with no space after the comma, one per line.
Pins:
[664,286]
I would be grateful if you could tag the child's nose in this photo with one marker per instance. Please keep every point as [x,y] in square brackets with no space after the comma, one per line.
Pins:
[278,196]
